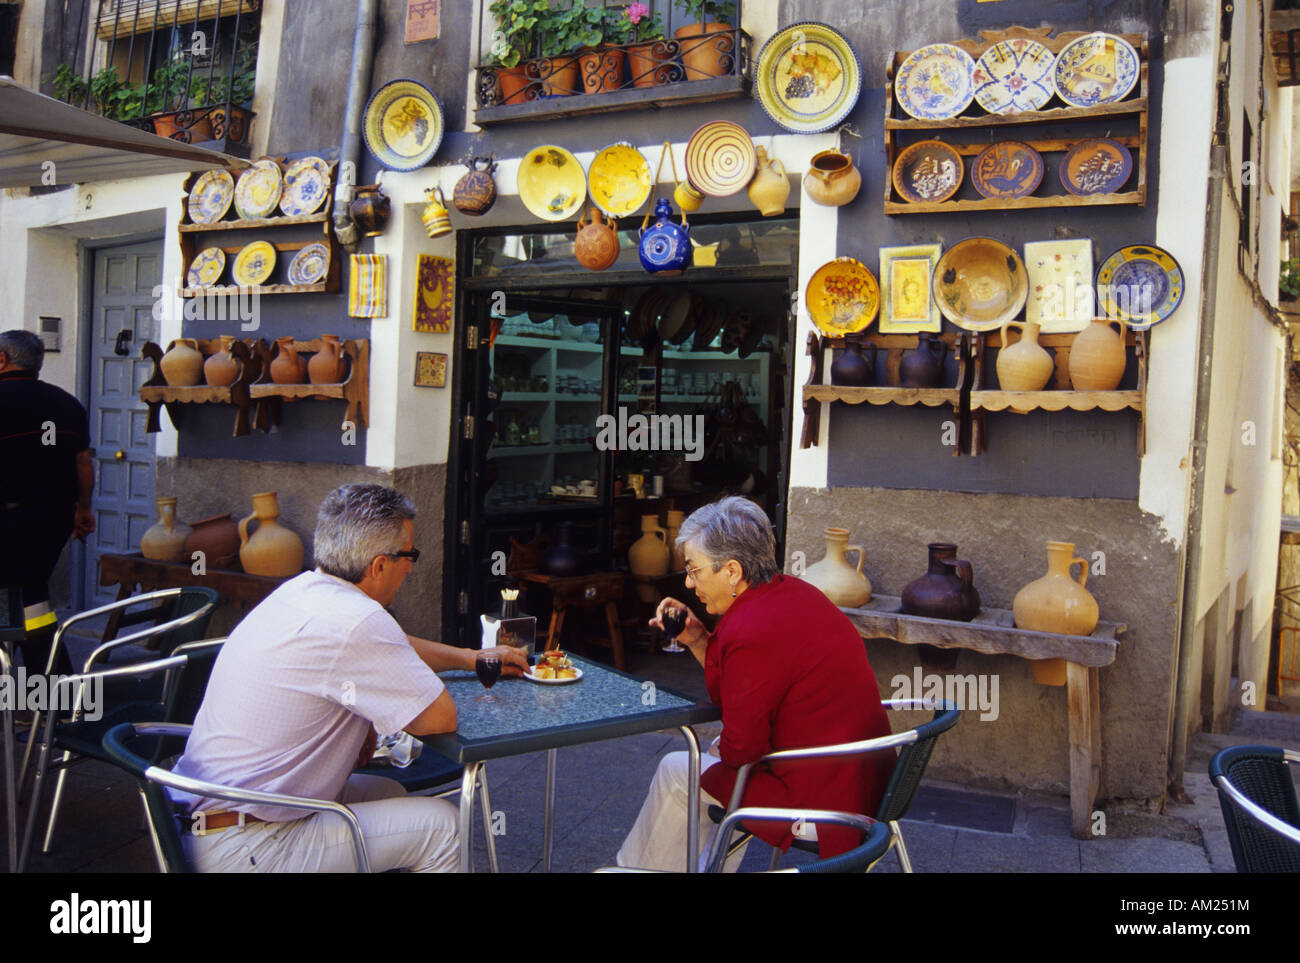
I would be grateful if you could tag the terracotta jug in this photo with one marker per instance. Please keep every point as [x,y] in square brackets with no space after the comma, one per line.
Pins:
[832,180]
[370,209]
[476,192]
[946,590]
[839,581]
[273,549]
[770,188]
[853,369]
[165,541]
[328,365]
[182,365]
[1057,603]
[678,555]
[217,538]
[1098,356]
[649,554]
[436,220]
[222,368]
[596,246]
[922,367]
[288,368]
[1025,365]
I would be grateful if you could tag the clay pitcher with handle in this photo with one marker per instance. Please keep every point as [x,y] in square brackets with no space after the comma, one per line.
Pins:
[1057,603]
[1025,365]
[770,188]
[832,180]
[288,368]
[596,246]
[840,581]
[272,549]
[1098,356]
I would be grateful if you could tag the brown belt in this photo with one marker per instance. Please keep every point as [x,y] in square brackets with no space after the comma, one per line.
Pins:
[202,823]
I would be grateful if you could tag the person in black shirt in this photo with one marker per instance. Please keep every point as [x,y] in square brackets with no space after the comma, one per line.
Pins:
[47,473]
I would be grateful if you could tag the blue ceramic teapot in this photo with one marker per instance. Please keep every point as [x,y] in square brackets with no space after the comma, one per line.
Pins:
[665,247]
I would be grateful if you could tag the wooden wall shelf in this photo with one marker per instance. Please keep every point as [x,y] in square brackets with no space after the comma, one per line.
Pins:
[1023,402]
[156,393]
[355,389]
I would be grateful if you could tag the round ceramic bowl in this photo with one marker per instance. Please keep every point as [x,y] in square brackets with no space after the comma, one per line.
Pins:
[552,184]
[980,283]
[619,180]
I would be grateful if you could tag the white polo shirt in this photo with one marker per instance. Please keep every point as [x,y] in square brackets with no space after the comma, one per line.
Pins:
[295,690]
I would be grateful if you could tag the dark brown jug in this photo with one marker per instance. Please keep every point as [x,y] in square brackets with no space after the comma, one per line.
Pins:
[853,369]
[922,367]
[370,209]
[947,590]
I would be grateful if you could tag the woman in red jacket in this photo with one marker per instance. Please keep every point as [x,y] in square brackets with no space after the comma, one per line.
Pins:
[789,671]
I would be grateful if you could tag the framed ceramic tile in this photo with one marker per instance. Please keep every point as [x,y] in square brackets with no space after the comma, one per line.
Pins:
[435,293]
[1060,284]
[906,304]
[430,369]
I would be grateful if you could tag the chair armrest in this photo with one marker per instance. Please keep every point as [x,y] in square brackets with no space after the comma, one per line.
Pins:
[717,852]
[1258,812]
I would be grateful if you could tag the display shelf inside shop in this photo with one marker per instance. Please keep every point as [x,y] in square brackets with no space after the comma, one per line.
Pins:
[156,393]
[1043,132]
[354,389]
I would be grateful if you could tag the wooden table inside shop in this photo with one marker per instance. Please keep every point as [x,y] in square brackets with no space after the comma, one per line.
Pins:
[993,632]
[128,571]
[599,589]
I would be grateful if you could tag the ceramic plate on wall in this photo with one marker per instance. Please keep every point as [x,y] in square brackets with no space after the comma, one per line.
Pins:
[1141,283]
[310,264]
[306,182]
[720,158]
[842,297]
[210,197]
[258,190]
[254,264]
[1007,169]
[906,304]
[1060,284]
[207,268]
[808,77]
[1099,68]
[1014,76]
[980,283]
[619,180]
[403,125]
[935,82]
[552,184]
[928,171]
[1098,166]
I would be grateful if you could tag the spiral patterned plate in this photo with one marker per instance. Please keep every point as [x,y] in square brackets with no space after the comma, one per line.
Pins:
[720,158]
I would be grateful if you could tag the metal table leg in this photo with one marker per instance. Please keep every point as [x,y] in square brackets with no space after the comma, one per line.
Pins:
[692,801]
[11,774]
[550,810]
[468,785]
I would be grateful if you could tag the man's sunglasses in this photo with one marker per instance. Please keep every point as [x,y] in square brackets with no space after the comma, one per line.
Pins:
[413,555]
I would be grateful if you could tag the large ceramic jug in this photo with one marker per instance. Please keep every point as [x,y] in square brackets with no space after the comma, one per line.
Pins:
[222,368]
[476,192]
[770,188]
[922,367]
[370,209]
[288,368]
[165,541]
[842,583]
[328,365]
[649,554]
[946,590]
[273,549]
[665,247]
[675,519]
[1025,365]
[217,538]
[435,217]
[596,246]
[182,365]
[853,369]
[832,180]
[1098,356]
[1057,603]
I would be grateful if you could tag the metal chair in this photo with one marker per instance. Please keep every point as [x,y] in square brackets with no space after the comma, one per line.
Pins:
[1258,798]
[915,747]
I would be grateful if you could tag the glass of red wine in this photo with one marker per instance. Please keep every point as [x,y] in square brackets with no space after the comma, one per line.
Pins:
[488,668]
[674,620]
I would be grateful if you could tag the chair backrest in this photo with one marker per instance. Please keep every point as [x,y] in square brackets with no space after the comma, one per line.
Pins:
[191,598]
[913,758]
[185,690]
[1263,775]
[134,752]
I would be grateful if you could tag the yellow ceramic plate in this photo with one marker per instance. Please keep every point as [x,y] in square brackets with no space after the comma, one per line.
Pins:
[403,125]
[258,190]
[619,180]
[254,264]
[980,283]
[207,267]
[842,297]
[552,184]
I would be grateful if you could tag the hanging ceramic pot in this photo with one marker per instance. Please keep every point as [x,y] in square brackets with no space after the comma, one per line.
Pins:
[649,554]
[165,541]
[770,188]
[1025,365]
[832,180]
[852,368]
[842,583]
[476,192]
[328,365]
[946,590]
[217,538]
[687,197]
[1057,603]
[922,367]
[182,365]
[1098,356]
[288,368]
[596,246]
[222,368]
[272,550]
[435,218]
[665,247]
[370,209]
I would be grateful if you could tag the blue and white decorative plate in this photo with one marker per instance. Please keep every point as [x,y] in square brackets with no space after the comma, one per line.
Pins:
[210,196]
[310,264]
[935,82]
[1099,68]
[207,268]
[306,182]
[1141,283]
[1014,76]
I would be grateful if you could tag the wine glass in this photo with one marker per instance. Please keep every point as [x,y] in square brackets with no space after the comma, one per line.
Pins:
[674,620]
[488,668]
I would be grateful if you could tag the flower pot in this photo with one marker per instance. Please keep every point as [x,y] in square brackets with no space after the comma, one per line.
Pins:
[222,368]
[601,68]
[217,538]
[1098,356]
[651,65]
[186,126]
[517,83]
[842,583]
[1025,365]
[165,541]
[706,49]
[233,126]
[559,75]
[1057,603]
[272,549]
[182,365]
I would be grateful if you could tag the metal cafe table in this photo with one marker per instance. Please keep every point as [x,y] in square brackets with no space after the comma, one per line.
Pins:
[531,716]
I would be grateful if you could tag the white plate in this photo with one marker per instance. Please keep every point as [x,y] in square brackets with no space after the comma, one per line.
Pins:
[531,678]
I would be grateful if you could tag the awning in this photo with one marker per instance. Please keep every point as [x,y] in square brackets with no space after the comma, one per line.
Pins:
[35,129]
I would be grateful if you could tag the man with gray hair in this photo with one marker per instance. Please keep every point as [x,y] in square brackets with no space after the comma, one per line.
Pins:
[296,696]
[47,474]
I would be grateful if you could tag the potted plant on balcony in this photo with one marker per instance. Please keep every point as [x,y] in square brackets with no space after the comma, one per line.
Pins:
[707,45]
[167,104]
[1288,281]
[516,27]
[602,66]
[225,91]
[648,59]
[560,33]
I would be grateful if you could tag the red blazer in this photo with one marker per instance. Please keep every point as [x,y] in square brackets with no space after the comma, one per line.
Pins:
[789,671]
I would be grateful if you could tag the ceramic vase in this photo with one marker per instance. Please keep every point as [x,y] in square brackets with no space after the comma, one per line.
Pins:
[649,554]
[288,368]
[328,365]
[1098,356]
[272,549]
[832,180]
[1057,603]
[1025,365]
[842,583]
[946,590]
[370,209]
[852,368]
[706,49]
[678,560]
[182,365]
[665,247]
[770,188]
[596,246]
[562,558]
[165,541]
[434,216]
[476,192]
[922,367]
[222,368]
[217,538]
